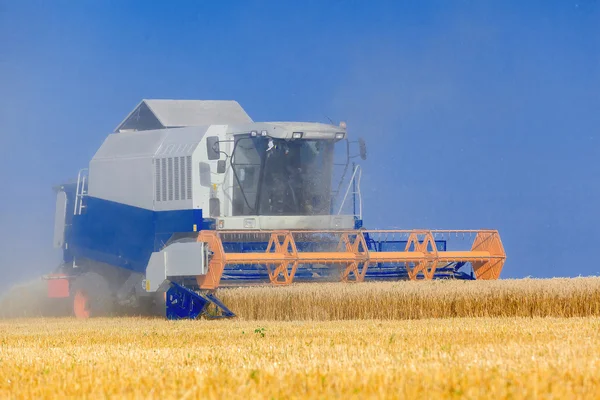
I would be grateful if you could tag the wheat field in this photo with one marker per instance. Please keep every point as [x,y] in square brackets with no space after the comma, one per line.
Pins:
[559,297]
[518,339]
[517,358]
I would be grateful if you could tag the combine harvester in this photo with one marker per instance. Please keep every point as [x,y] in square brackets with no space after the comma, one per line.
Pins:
[187,196]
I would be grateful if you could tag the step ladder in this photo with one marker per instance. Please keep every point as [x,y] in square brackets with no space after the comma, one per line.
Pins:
[81,191]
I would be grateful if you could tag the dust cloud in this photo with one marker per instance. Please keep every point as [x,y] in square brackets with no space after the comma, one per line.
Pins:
[27,299]
[26,254]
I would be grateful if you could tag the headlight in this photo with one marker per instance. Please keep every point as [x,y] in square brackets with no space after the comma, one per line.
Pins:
[249,223]
[253,133]
[340,135]
[297,135]
[263,133]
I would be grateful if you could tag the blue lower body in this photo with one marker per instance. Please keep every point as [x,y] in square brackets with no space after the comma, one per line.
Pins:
[125,236]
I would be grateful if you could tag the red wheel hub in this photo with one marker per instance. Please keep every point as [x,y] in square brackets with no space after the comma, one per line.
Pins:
[81,304]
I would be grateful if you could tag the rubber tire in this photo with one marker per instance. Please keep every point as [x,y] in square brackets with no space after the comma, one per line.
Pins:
[100,300]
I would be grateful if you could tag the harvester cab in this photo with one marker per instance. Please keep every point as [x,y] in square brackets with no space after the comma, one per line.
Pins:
[275,176]
[186,196]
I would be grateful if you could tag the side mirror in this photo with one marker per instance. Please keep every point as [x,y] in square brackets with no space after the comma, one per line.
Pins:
[221,166]
[212,148]
[363,148]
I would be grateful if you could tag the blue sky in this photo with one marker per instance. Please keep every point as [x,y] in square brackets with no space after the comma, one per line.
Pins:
[476,113]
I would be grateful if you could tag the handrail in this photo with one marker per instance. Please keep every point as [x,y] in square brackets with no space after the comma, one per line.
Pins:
[80,191]
[356,175]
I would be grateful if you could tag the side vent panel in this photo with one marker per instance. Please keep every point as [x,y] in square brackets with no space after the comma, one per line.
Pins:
[173,179]
[182,175]
[170,179]
[163,179]
[189,177]
[157,179]
[176,176]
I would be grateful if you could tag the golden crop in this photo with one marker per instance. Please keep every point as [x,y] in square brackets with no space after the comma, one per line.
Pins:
[515,358]
[443,339]
[559,297]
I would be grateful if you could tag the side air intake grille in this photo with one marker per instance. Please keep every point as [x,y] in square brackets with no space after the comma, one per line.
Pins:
[170,178]
[189,177]
[182,175]
[157,180]
[163,179]
[176,176]
[173,178]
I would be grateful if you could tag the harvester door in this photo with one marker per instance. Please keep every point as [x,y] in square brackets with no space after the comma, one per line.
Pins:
[246,165]
[60,216]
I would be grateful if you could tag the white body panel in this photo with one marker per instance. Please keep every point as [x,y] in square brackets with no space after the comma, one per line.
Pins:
[174,172]
[156,272]
[123,180]
[155,170]
[304,222]
[169,169]
[59,219]
[180,113]
[205,171]
[177,259]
